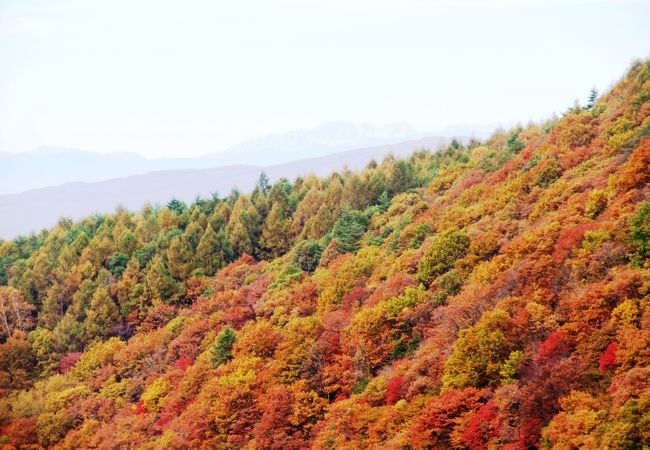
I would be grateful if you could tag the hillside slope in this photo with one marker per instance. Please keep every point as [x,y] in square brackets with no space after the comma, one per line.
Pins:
[494,295]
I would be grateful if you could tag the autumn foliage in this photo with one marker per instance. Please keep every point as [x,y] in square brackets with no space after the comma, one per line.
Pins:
[486,295]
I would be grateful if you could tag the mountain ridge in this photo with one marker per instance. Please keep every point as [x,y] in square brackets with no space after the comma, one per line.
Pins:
[134,191]
[48,166]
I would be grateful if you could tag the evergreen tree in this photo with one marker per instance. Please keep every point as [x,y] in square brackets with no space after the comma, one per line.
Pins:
[320,224]
[349,230]
[127,242]
[280,194]
[67,258]
[117,263]
[245,225]
[383,201]
[640,235]
[591,100]
[194,231]
[513,144]
[377,185]
[124,288]
[402,177]
[217,220]
[221,351]
[82,298]
[263,183]
[80,242]
[68,335]
[177,206]
[53,307]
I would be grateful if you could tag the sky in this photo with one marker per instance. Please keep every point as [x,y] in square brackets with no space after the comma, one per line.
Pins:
[171,78]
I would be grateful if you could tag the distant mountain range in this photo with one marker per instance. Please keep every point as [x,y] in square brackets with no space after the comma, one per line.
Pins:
[49,166]
[39,208]
[54,166]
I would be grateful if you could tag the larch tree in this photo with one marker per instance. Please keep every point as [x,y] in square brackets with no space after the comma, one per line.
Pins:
[214,251]
[275,239]
[180,258]
[102,316]
[159,286]
[240,240]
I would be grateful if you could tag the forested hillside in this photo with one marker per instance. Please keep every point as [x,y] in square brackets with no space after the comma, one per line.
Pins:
[489,295]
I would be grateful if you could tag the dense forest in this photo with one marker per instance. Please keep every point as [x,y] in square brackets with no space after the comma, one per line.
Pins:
[486,295]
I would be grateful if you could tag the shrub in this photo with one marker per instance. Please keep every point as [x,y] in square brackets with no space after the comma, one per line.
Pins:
[419,233]
[549,171]
[308,255]
[513,144]
[155,394]
[640,235]
[596,203]
[480,353]
[445,249]
[67,363]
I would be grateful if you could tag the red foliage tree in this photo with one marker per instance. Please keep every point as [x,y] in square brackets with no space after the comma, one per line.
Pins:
[394,390]
[138,409]
[436,422]
[157,317]
[568,240]
[272,431]
[636,172]
[68,362]
[183,363]
[608,358]
[21,433]
[354,298]
[481,427]
[529,432]
[554,346]
[304,298]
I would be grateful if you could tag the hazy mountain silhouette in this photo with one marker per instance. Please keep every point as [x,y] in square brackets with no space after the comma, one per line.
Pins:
[54,166]
[35,209]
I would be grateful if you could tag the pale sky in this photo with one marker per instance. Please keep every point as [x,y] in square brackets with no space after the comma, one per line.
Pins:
[173,78]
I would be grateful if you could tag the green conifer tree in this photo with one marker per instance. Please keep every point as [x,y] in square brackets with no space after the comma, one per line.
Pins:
[349,230]
[591,100]
[221,351]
